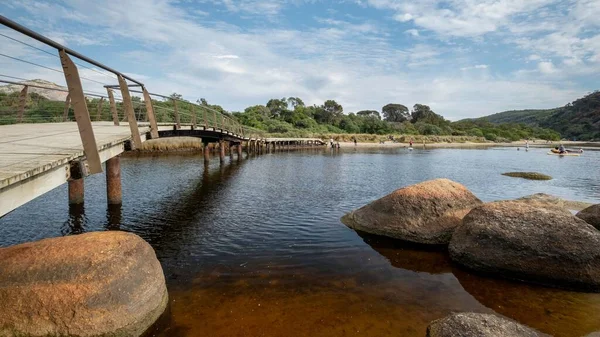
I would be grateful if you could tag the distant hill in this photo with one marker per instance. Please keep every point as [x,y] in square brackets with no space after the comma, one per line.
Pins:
[49,94]
[579,119]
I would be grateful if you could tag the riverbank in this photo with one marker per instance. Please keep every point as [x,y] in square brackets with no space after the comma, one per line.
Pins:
[389,144]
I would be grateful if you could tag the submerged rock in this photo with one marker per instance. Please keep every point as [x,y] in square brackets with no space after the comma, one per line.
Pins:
[425,213]
[95,284]
[547,200]
[591,215]
[526,242]
[528,175]
[470,324]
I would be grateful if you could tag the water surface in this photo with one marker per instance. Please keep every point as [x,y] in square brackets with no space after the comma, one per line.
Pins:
[256,248]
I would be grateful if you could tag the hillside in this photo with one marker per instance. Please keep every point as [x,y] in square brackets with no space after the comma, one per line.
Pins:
[49,94]
[577,120]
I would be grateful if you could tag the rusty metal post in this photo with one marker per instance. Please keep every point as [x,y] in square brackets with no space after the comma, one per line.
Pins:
[22,102]
[99,110]
[114,195]
[128,106]
[239,150]
[206,152]
[67,105]
[177,122]
[150,113]
[113,106]
[76,191]
[222,151]
[82,115]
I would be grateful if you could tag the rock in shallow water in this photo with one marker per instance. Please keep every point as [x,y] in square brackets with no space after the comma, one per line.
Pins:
[470,324]
[425,213]
[95,284]
[521,241]
[591,215]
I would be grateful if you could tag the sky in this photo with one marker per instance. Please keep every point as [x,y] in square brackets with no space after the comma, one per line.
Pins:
[463,58]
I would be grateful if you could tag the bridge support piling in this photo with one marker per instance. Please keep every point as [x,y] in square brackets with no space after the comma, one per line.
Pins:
[206,153]
[114,194]
[239,151]
[76,191]
[231,150]
[222,151]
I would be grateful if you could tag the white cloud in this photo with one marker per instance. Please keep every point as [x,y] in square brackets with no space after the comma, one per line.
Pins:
[354,62]
[412,32]
[546,67]
[477,66]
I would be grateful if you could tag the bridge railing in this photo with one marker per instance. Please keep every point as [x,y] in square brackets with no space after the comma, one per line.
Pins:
[100,99]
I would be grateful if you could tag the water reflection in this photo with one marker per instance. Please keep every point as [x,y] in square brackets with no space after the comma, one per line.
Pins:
[114,217]
[410,256]
[76,222]
[553,311]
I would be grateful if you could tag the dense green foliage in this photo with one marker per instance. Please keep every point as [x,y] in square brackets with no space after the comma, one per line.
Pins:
[577,120]
[291,116]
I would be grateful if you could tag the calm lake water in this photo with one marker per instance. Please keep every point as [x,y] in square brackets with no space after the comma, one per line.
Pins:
[256,247]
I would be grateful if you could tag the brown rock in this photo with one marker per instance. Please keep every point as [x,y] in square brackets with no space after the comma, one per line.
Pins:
[95,284]
[470,324]
[551,201]
[425,213]
[591,215]
[526,242]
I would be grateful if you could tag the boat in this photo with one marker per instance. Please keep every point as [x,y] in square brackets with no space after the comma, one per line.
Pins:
[567,151]
[564,154]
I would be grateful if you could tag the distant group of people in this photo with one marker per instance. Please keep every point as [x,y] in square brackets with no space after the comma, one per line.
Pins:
[335,145]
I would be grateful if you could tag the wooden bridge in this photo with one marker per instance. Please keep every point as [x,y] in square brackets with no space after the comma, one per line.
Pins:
[38,154]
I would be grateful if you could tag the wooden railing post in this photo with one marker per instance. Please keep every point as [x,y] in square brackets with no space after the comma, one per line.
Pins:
[150,113]
[67,105]
[113,106]
[22,102]
[204,116]
[128,107]
[193,116]
[82,115]
[177,122]
[215,125]
[99,112]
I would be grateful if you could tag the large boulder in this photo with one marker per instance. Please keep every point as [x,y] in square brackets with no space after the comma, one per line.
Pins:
[470,324]
[591,215]
[527,242]
[425,213]
[96,284]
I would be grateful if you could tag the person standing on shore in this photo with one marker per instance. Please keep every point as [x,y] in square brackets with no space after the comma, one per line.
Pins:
[354,141]
[410,143]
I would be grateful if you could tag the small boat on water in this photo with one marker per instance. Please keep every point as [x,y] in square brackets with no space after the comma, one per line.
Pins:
[565,154]
[568,152]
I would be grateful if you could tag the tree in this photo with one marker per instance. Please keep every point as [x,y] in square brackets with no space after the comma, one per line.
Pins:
[333,107]
[395,113]
[176,96]
[295,101]
[367,113]
[277,106]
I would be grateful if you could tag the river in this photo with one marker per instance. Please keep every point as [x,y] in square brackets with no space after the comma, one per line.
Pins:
[256,248]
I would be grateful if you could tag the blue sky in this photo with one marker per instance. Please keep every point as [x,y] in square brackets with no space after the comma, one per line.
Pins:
[464,58]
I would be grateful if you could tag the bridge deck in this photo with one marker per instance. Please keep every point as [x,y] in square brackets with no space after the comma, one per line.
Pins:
[34,157]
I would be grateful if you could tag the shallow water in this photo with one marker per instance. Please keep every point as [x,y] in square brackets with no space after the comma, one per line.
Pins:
[256,248]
